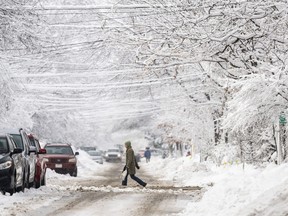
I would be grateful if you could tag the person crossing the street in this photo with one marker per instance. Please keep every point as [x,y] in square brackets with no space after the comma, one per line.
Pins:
[131,166]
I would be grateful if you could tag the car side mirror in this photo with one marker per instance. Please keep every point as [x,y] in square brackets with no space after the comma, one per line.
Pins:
[17,151]
[42,151]
[76,153]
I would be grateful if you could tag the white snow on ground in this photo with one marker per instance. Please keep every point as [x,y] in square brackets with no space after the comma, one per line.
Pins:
[230,189]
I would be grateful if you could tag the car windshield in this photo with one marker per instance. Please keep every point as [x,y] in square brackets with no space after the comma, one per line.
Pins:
[92,153]
[18,140]
[113,150]
[3,145]
[85,148]
[65,150]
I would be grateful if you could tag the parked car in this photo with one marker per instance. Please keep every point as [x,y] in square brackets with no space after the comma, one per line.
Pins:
[61,158]
[141,153]
[40,170]
[113,155]
[28,153]
[11,166]
[96,156]
[156,152]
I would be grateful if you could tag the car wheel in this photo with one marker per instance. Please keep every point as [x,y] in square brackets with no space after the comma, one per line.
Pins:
[27,183]
[43,181]
[22,187]
[38,184]
[74,173]
[12,190]
[31,184]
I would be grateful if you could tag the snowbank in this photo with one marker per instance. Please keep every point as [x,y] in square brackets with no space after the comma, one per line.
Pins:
[183,171]
[230,189]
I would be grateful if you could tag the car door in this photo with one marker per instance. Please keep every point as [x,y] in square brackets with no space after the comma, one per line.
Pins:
[18,162]
[31,154]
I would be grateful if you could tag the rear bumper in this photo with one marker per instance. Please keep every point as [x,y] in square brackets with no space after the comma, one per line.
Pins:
[64,169]
[113,159]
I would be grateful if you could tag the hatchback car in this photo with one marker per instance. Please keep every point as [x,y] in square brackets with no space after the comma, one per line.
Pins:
[40,170]
[11,169]
[61,158]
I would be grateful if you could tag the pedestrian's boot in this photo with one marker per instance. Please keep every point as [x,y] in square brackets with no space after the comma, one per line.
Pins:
[124,183]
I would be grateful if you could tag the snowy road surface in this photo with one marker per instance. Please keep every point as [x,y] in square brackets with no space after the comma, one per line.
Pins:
[101,194]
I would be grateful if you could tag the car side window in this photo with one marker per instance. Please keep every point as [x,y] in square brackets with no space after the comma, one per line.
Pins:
[11,144]
[27,140]
[3,145]
[37,144]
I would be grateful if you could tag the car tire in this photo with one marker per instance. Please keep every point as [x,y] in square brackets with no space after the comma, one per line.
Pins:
[12,190]
[31,184]
[27,185]
[43,181]
[74,173]
[22,187]
[38,184]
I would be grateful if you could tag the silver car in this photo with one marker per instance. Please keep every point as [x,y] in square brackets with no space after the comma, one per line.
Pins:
[96,156]
[113,155]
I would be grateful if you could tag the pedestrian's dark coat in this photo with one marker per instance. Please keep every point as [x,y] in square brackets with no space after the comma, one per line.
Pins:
[147,154]
[130,161]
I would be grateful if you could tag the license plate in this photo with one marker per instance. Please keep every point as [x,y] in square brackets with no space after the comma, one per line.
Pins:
[58,165]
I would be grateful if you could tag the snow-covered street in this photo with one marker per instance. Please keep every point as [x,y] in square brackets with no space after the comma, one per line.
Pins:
[204,190]
[97,191]
[194,91]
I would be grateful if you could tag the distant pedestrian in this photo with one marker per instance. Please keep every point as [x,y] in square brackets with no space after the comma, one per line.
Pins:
[131,166]
[147,154]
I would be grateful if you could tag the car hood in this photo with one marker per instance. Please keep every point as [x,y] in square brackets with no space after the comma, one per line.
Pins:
[58,156]
[4,157]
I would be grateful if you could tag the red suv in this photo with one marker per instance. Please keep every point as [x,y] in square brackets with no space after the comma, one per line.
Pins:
[61,158]
[40,168]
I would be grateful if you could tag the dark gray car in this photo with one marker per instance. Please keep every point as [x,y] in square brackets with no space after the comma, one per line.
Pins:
[28,153]
[11,166]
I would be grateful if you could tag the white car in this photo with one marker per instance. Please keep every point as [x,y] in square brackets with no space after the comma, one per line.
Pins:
[113,155]
[96,156]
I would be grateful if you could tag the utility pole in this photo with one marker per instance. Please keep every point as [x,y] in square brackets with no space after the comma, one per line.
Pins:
[281,138]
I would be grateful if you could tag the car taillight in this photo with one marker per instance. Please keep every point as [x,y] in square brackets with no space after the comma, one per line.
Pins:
[45,160]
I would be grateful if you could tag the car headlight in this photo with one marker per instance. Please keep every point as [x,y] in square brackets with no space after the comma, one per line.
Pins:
[106,155]
[72,160]
[119,155]
[5,165]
